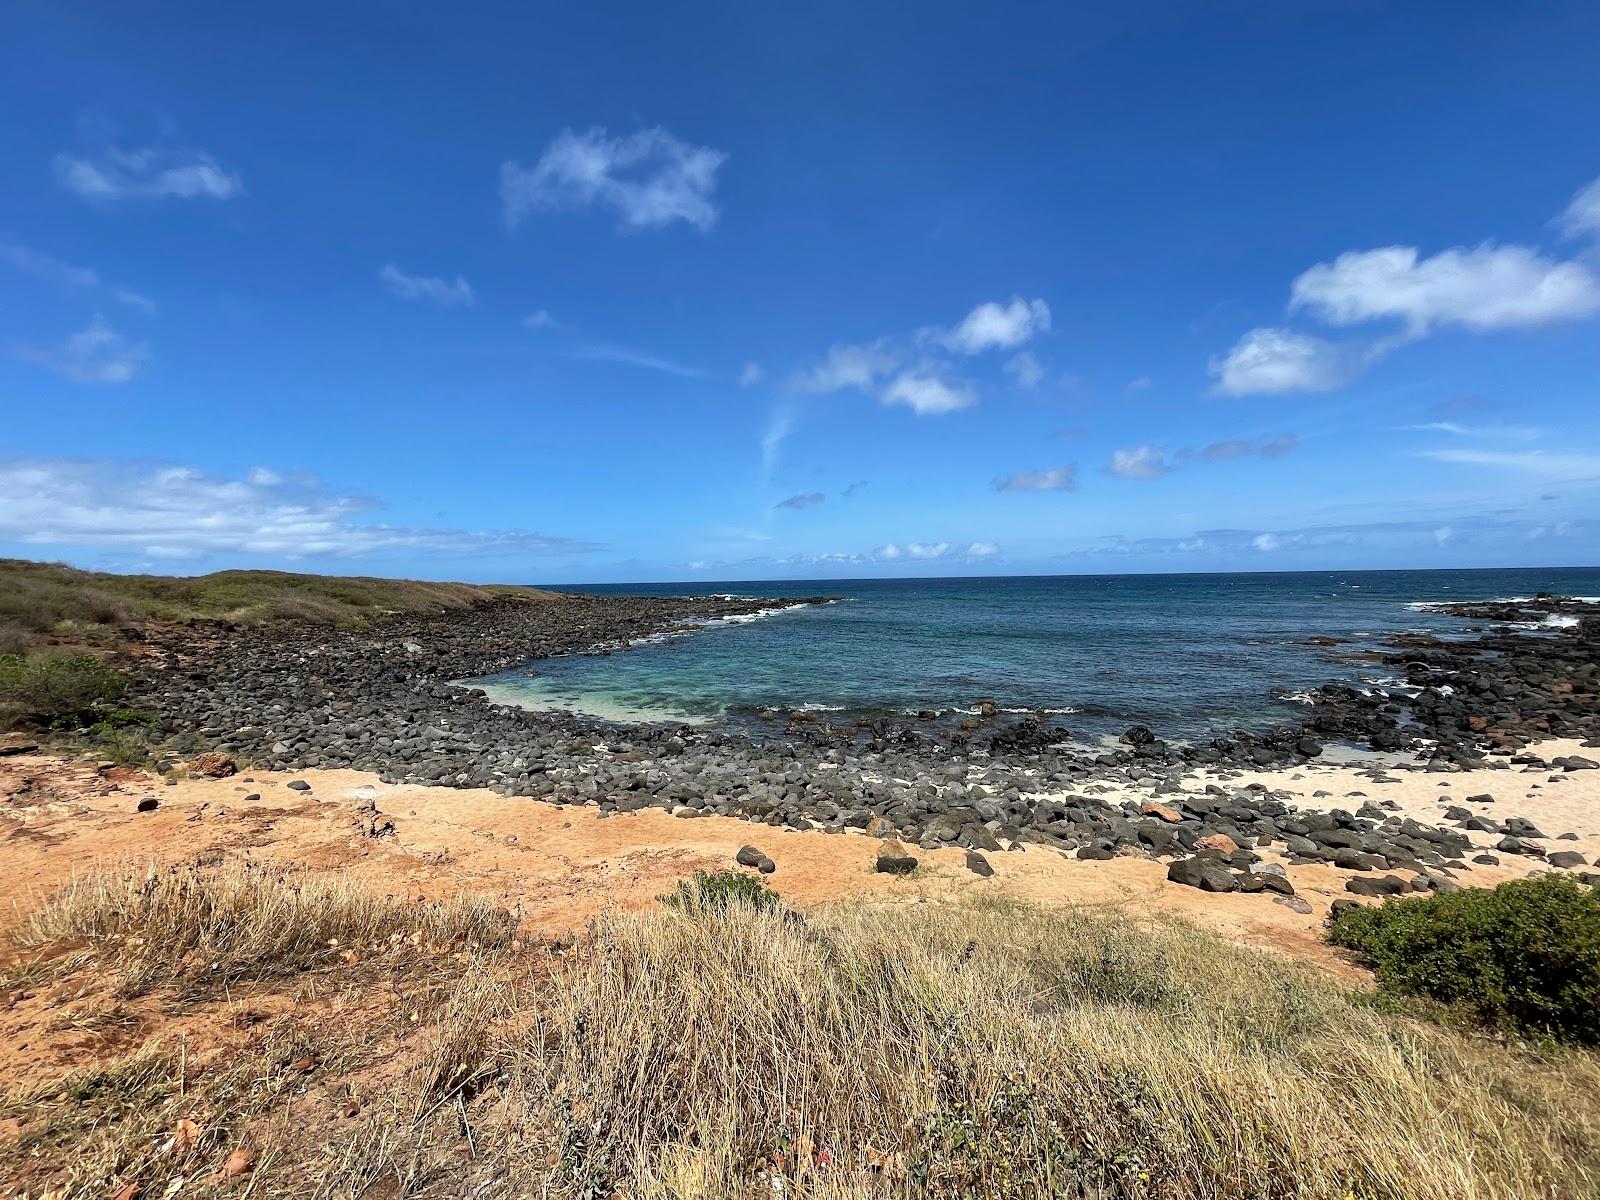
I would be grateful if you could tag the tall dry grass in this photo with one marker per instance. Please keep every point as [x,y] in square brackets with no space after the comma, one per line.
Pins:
[998,1050]
[243,920]
[979,1049]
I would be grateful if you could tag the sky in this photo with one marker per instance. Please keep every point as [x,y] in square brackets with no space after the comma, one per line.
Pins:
[624,292]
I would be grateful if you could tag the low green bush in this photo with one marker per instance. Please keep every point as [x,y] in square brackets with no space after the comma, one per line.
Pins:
[718,891]
[1523,957]
[58,691]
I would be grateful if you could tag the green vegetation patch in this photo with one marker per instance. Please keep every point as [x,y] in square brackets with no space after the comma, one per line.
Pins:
[719,891]
[1523,957]
[43,600]
[60,691]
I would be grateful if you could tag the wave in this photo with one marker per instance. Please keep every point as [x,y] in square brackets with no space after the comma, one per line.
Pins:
[695,625]
[975,711]
[1440,605]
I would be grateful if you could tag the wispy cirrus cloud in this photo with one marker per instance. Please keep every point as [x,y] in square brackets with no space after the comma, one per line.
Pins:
[1520,433]
[1314,541]
[180,512]
[68,277]
[650,179]
[96,354]
[111,173]
[1548,464]
[628,356]
[446,293]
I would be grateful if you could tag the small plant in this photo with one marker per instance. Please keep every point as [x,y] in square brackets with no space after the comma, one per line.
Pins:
[59,691]
[1523,957]
[719,891]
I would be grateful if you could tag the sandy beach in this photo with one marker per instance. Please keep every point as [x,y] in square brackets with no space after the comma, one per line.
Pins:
[558,867]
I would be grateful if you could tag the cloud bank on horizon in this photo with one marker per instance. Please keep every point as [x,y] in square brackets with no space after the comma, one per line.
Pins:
[683,302]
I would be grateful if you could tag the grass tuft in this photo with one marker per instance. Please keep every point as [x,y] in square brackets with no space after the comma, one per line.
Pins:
[717,891]
[244,921]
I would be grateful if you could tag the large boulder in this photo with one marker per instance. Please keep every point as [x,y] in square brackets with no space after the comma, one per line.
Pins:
[893,859]
[213,764]
[1204,873]
[1385,885]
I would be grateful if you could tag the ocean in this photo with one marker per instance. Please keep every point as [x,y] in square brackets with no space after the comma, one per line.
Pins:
[1189,655]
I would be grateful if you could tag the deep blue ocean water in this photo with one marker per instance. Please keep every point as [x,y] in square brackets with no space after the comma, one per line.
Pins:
[1191,655]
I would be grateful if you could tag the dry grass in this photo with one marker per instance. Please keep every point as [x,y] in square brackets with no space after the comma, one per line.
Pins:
[242,921]
[40,600]
[983,1049]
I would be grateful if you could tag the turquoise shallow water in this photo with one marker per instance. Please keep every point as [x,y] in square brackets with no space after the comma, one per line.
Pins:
[1190,654]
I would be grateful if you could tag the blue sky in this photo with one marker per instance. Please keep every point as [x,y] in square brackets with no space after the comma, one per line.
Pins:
[649,292]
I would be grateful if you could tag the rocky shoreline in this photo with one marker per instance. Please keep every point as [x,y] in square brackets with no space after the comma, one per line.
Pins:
[381,699]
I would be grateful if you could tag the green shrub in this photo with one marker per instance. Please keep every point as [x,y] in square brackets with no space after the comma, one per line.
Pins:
[719,891]
[62,691]
[1523,957]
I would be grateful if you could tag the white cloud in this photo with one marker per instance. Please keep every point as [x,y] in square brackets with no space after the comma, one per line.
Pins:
[919,550]
[179,512]
[97,354]
[918,371]
[604,352]
[650,179]
[1280,360]
[443,292]
[751,375]
[780,424]
[1484,288]
[1141,462]
[1266,542]
[153,172]
[1573,465]
[994,326]
[1521,433]
[926,394]
[1142,384]
[539,320]
[849,366]
[1025,368]
[982,550]
[1582,217]
[65,275]
[1048,479]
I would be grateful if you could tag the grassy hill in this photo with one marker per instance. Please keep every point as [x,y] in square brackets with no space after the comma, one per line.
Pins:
[50,602]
